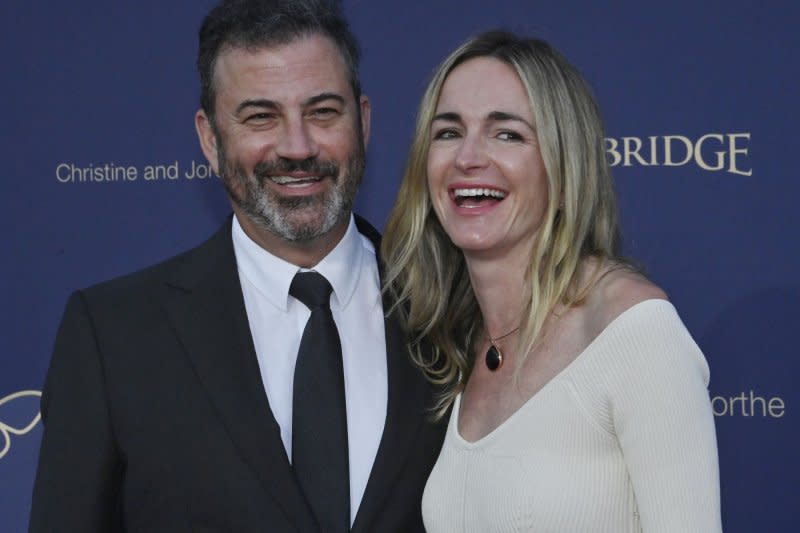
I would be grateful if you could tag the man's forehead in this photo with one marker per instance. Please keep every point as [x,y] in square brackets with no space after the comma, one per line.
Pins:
[302,56]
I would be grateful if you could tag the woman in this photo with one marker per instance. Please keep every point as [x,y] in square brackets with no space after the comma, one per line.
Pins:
[578,398]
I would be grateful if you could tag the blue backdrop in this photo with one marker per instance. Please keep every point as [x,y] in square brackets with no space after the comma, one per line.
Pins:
[700,103]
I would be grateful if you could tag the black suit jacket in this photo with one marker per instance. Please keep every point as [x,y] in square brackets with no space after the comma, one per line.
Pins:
[156,418]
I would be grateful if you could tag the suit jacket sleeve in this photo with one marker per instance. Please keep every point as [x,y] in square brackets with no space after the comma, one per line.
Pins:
[79,472]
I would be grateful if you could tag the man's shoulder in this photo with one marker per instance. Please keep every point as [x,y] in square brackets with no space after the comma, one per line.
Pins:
[182,269]
[190,266]
[368,230]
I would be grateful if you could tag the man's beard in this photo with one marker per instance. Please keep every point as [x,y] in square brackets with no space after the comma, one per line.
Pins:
[293,218]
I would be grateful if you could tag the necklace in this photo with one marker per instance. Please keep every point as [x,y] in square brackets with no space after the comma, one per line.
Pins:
[494,357]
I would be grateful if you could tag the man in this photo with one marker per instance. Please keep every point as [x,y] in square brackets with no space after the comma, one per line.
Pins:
[193,396]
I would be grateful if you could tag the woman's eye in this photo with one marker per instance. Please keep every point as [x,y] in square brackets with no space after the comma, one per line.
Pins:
[509,136]
[445,134]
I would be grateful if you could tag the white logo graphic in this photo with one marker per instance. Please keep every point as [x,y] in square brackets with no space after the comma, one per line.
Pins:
[712,152]
[6,431]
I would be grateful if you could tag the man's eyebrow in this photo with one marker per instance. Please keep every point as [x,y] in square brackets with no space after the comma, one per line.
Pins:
[502,116]
[325,96]
[264,103]
[261,103]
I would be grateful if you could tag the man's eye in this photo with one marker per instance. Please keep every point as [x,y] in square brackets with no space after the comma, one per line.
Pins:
[325,112]
[259,117]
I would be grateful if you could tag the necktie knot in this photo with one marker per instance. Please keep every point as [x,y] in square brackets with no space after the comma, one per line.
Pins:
[312,289]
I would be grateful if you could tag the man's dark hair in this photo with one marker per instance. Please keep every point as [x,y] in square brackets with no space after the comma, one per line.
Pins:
[253,24]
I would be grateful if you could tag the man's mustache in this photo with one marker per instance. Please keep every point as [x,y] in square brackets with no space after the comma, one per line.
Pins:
[311,165]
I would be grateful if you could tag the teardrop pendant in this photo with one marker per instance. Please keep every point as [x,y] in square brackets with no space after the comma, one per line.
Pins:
[494,359]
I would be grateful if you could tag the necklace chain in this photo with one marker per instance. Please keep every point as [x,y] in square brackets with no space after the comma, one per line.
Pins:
[493,340]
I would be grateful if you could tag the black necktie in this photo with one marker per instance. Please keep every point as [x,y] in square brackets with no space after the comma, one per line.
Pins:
[319,416]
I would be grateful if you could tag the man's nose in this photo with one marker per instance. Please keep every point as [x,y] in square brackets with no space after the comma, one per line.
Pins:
[296,141]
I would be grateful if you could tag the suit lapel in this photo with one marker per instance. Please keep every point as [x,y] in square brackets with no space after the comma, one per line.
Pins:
[407,394]
[404,415]
[205,305]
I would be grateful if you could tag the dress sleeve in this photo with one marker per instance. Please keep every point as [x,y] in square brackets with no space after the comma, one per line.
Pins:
[77,481]
[662,417]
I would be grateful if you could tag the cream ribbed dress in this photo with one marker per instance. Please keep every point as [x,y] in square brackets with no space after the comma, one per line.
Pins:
[622,440]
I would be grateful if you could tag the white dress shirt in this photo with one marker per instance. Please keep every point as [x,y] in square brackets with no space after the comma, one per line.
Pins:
[277,321]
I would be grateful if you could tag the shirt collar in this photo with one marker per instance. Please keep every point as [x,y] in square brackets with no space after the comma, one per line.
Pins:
[272,276]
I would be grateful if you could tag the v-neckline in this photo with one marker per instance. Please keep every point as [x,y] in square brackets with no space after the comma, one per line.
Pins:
[560,375]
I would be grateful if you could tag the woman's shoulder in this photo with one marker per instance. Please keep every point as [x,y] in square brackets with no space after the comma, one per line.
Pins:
[614,289]
[639,326]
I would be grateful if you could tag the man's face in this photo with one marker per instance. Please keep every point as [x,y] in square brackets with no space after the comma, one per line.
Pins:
[286,138]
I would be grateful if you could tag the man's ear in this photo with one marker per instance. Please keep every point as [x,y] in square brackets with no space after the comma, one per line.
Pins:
[366,110]
[208,140]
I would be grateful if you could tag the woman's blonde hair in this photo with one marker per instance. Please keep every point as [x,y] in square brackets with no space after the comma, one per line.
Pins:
[426,273]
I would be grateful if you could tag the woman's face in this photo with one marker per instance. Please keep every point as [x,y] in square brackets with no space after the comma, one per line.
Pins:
[486,177]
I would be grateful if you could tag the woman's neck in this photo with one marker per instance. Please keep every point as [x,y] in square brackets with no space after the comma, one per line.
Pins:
[501,292]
